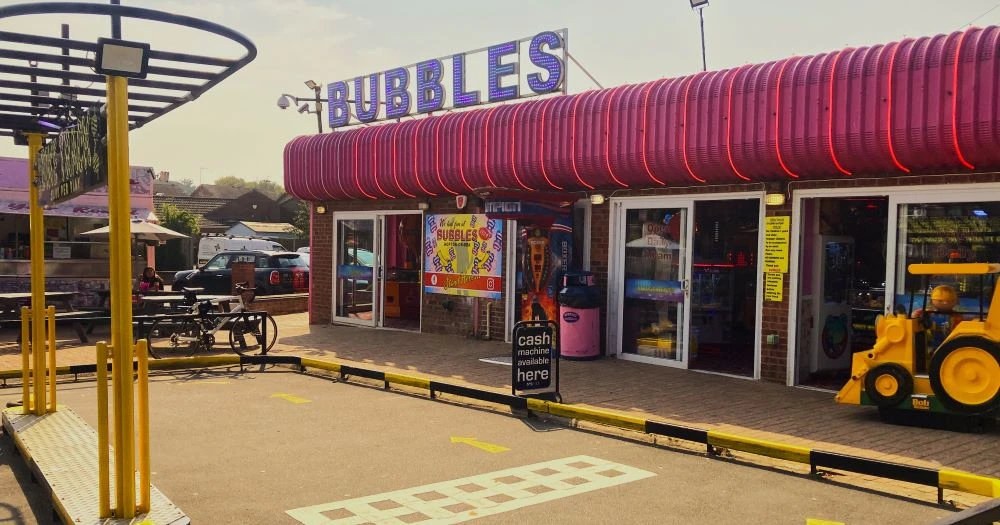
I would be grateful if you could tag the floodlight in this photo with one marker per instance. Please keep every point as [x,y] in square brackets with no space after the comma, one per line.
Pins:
[312,85]
[121,58]
[695,4]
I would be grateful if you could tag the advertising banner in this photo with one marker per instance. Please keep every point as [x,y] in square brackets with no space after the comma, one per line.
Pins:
[463,255]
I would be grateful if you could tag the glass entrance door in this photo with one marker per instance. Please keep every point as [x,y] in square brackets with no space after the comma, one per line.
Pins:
[653,283]
[356,287]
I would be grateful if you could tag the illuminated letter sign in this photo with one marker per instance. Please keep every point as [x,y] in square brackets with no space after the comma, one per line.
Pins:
[493,74]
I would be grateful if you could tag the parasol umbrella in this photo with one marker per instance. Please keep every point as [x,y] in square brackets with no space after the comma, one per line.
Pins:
[142,231]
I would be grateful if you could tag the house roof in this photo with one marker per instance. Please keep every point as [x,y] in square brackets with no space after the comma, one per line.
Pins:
[269,227]
[172,188]
[195,205]
[215,191]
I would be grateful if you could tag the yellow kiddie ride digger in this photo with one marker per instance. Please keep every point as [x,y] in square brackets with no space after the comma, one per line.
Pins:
[934,359]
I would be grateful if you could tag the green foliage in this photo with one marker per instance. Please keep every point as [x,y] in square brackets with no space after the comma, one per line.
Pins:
[267,187]
[179,220]
[174,255]
[300,219]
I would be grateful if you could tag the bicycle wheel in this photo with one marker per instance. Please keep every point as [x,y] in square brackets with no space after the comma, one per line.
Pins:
[173,338]
[245,336]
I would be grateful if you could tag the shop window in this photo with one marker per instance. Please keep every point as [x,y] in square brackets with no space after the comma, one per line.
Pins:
[964,232]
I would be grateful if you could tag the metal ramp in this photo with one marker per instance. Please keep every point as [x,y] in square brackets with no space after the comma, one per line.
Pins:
[61,450]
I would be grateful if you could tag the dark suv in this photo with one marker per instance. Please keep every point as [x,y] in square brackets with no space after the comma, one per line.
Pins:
[275,273]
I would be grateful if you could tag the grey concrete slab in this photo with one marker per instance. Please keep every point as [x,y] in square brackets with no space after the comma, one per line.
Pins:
[231,447]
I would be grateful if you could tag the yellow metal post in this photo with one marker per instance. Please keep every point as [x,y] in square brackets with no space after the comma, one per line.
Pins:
[142,407]
[103,466]
[25,360]
[36,226]
[121,292]
[51,313]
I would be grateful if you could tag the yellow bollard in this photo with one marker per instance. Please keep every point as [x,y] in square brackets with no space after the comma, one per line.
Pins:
[25,360]
[103,457]
[51,311]
[142,412]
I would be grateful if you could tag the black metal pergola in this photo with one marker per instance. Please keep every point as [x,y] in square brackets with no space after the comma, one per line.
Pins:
[36,91]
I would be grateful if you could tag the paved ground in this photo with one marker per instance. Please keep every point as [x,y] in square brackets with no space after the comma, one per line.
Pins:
[281,447]
[791,415]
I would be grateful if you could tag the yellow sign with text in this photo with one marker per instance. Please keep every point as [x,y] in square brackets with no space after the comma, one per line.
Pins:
[776,236]
[774,287]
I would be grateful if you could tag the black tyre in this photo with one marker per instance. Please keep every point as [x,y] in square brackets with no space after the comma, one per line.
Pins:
[888,385]
[173,338]
[247,337]
[965,374]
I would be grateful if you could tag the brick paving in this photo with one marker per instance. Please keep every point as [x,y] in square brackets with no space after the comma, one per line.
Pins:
[757,409]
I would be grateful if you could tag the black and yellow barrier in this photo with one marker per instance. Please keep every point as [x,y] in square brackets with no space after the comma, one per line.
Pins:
[714,440]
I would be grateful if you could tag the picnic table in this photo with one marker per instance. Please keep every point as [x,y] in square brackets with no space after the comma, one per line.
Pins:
[104,296]
[171,302]
[10,303]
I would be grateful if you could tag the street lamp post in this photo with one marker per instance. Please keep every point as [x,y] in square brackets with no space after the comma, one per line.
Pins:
[699,5]
[319,106]
[285,101]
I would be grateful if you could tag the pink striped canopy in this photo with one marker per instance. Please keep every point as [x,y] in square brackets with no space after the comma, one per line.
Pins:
[926,105]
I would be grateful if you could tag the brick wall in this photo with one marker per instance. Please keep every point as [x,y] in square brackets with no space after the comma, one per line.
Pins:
[321,266]
[282,304]
[774,319]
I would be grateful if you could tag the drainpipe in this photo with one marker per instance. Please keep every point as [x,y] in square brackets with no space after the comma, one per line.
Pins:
[489,307]
[475,317]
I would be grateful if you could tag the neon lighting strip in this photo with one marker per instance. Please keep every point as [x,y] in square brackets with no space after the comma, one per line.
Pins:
[777,119]
[833,75]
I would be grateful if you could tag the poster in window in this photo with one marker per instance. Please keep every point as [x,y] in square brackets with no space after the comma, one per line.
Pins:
[463,255]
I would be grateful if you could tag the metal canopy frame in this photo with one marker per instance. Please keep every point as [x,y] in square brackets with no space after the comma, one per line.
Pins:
[37,97]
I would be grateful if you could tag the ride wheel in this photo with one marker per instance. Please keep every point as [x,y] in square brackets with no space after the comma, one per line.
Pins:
[965,374]
[888,385]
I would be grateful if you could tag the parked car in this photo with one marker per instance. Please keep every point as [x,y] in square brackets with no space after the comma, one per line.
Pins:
[209,245]
[275,273]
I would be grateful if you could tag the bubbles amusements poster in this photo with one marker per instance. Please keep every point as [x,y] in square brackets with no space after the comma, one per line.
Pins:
[463,255]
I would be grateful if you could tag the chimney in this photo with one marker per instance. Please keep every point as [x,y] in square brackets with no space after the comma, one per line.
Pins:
[164,176]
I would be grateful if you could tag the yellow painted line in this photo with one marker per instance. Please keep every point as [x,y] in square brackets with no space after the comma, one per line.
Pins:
[597,416]
[290,398]
[971,483]
[481,445]
[413,381]
[759,446]
[309,362]
[814,521]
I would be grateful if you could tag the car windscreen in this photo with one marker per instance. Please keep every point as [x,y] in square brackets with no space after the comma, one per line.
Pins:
[363,257]
[291,261]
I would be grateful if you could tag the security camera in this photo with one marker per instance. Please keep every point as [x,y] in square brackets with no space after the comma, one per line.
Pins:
[283,102]
[304,108]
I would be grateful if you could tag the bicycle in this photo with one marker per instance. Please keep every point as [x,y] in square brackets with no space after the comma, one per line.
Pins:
[183,336]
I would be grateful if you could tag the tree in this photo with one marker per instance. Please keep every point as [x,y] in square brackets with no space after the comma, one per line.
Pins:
[173,255]
[188,185]
[300,219]
[267,187]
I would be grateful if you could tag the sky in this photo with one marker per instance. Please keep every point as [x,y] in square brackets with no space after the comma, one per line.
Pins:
[237,129]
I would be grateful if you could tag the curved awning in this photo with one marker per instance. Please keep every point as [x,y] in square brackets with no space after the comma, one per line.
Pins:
[926,105]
